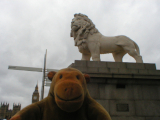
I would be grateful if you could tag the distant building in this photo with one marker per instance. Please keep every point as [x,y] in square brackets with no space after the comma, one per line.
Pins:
[6,113]
[35,95]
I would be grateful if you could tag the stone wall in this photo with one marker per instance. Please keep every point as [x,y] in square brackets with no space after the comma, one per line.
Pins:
[128,91]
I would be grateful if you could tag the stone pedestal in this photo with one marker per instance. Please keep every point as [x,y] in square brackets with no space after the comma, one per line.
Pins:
[128,91]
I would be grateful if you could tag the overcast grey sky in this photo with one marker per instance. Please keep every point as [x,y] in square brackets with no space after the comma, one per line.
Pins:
[28,28]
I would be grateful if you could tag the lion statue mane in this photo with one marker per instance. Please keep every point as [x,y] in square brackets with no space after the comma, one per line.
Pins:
[91,43]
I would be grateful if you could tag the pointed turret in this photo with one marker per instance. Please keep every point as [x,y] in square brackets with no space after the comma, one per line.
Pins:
[35,96]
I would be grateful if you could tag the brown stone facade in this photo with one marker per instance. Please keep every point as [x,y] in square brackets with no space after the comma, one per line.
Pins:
[6,113]
[128,91]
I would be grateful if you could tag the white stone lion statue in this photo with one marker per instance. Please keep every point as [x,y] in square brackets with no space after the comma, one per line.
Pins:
[91,43]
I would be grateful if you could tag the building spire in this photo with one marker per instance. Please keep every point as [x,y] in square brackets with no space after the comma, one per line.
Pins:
[36,88]
[35,96]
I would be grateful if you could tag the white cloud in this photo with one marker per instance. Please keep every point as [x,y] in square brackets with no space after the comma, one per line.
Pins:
[28,28]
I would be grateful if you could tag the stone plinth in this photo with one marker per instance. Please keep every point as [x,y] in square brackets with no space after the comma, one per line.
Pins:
[128,91]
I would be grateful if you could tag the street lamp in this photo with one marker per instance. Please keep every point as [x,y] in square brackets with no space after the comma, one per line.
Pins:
[44,70]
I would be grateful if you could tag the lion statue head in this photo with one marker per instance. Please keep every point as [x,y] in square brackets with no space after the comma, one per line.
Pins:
[81,26]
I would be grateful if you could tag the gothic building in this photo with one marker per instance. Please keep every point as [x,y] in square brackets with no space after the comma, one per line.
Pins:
[6,113]
[35,95]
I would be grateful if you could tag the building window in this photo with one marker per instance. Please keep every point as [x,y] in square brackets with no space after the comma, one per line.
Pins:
[122,86]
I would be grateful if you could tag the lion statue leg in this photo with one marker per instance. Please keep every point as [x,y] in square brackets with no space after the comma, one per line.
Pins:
[94,48]
[134,54]
[86,56]
[118,56]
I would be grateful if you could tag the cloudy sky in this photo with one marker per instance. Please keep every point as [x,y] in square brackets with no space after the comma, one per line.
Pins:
[28,28]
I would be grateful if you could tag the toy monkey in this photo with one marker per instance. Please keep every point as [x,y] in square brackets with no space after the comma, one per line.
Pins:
[68,99]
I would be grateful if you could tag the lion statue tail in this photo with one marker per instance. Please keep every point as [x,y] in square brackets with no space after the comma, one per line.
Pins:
[137,48]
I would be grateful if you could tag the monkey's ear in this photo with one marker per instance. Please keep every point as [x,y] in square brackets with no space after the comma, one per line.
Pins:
[87,77]
[51,75]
